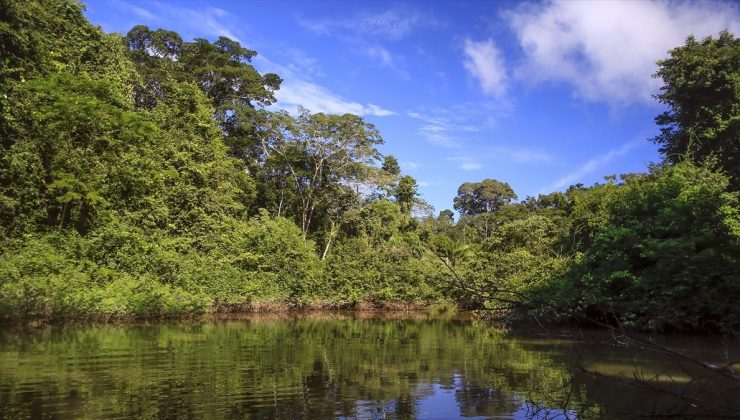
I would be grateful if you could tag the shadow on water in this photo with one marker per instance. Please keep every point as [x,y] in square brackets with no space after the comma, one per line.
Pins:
[336,365]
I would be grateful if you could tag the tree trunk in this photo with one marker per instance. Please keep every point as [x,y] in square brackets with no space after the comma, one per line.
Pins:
[328,242]
[280,205]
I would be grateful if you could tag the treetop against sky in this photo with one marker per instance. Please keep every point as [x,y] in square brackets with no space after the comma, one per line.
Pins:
[540,95]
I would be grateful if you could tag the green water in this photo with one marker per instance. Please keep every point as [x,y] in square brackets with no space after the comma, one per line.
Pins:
[332,365]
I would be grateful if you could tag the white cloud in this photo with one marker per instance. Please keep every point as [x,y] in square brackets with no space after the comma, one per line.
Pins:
[372,109]
[484,62]
[297,90]
[470,162]
[589,167]
[210,21]
[607,49]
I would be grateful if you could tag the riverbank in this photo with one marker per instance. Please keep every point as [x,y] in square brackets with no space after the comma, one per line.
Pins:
[228,311]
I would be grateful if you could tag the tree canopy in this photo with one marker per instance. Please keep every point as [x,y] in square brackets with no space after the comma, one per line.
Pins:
[486,196]
[701,87]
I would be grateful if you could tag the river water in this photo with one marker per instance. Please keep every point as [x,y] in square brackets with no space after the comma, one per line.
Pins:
[351,365]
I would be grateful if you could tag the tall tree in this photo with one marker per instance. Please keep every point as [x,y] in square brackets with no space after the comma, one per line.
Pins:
[222,69]
[320,151]
[701,86]
[446,216]
[406,193]
[486,196]
[391,166]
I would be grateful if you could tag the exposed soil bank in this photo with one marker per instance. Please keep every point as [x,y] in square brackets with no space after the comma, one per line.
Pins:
[229,311]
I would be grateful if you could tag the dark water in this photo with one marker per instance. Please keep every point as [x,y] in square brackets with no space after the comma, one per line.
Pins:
[343,365]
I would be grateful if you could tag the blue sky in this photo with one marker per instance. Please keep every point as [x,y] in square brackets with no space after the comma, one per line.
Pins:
[541,95]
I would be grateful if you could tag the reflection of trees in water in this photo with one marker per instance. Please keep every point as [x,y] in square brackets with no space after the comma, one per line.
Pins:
[299,368]
[614,376]
[475,400]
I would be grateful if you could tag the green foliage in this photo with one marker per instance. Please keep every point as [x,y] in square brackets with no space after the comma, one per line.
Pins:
[701,86]
[55,277]
[221,69]
[30,43]
[658,251]
[319,154]
[391,271]
[279,252]
[513,264]
[377,222]
[113,206]
[405,193]
[63,165]
[391,166]
[667,255]
[488,195]
[446,216]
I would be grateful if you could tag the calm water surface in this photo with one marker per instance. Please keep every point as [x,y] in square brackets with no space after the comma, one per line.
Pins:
[336,365]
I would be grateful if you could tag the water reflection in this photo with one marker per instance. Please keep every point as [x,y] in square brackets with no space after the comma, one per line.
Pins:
[313,365]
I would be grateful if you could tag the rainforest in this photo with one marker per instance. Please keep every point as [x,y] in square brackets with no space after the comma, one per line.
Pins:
[174,244]
[147,176]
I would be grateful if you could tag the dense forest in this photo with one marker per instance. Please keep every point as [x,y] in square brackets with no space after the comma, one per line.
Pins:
[143,175]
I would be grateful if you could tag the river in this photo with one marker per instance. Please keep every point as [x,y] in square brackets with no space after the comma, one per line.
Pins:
[319,365]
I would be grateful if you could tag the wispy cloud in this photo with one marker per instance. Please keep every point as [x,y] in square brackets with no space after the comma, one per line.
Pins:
[590,166]
[366,31]
[453,125]
[410,165]
[298,90]
[607,49]
[440,130]
[519,155]
[377,110]
[300,62]
[386,59]
[469,162]
[470,165]
[466,163]
[209,21]
[136,10]
[484,62]
[381,54]
[390,24]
